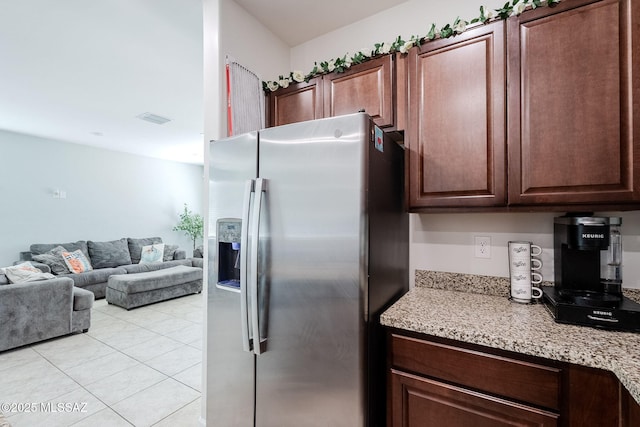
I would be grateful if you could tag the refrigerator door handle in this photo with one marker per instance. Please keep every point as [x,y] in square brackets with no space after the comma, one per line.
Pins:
[259,189]
[244,251]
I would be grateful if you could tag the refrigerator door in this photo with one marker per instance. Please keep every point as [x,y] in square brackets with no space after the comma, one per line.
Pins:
[230,363]
[312,275]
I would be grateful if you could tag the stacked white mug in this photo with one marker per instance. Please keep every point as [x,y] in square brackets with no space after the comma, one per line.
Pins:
[524,271]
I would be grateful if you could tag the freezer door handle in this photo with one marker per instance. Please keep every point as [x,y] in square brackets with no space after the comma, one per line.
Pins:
[259,189]
[244,250]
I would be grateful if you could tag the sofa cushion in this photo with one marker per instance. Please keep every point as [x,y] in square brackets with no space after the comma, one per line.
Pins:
[152,253]
[82,299]
[109,254]
[93,277]
[41,248]
[76,261]
[198,252]
[169,251]
[54,260]
[3,279]
[24,272]
[145,282]
[142,268]
[135,247]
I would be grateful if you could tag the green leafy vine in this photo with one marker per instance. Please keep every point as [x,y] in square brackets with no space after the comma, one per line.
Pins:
[343,63]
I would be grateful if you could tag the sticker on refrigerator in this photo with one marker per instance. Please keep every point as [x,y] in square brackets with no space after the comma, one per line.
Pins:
[379,140]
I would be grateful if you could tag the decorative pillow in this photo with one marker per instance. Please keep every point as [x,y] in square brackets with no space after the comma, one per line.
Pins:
[152,253]
[25,272]
[198,252]
[169,250]
[54,260]
[109,254]
[76,261]
[135,246]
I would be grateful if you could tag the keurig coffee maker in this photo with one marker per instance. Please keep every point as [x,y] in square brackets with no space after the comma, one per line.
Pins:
[588,274]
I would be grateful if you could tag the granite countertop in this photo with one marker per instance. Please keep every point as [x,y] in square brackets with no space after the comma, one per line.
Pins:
[485,316]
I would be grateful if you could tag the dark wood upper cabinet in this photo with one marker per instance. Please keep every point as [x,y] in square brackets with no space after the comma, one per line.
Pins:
[365,87]
[297,103]
[573,104]
[369,86]
[456,130]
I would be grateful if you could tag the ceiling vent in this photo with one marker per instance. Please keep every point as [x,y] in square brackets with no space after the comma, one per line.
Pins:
[153,118]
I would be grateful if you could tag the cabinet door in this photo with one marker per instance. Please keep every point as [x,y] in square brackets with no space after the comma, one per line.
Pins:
[421,402]
[456,128]
[297,103]
[573,103]
[592,397]
[368,86]
[630,409]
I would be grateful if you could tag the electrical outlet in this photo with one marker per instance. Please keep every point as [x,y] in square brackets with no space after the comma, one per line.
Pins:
[483,247]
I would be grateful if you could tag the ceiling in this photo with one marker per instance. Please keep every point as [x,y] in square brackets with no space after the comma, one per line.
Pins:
[82,71]
[314,18]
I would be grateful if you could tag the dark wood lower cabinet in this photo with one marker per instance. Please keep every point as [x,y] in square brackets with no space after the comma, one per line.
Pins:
[421,402]
[440,382]
[630,410]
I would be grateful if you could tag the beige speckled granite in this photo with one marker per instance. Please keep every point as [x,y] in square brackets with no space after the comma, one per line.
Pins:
[494,321]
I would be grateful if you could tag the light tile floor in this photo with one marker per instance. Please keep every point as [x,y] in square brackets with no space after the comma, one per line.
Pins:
[141,367]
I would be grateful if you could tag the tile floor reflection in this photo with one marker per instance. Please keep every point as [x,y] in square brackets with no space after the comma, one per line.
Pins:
[133,368]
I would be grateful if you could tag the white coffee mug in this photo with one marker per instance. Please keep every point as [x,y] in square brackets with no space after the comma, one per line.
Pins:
[524,249]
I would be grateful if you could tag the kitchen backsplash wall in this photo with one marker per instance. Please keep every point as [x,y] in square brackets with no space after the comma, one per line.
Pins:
[446,242]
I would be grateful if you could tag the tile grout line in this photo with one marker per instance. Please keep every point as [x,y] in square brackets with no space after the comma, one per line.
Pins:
[120,351]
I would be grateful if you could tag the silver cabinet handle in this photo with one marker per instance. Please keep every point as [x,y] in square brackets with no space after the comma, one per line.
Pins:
[259,189]
[244,244]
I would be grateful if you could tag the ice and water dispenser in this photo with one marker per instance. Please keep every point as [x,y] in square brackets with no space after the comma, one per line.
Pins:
[229,252]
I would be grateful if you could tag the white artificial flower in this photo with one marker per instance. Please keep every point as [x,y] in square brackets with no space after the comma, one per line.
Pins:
[284,82]
[385,48]
[331,65]
[365,52]
[460,27]
[519,8]
[406,46]
[273,86]
[298,76]
[348,60]
[489,14]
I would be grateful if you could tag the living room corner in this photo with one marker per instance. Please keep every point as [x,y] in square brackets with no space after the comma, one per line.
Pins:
[143,346]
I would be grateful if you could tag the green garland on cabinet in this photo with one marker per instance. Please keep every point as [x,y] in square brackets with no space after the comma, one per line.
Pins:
[343,63]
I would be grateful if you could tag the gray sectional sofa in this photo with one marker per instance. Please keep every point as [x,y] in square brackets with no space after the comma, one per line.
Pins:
[43,309]
[36,311]
[107,259]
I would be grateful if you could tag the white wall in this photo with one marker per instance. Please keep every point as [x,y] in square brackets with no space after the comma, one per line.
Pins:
[445,242]
[413,17]
[245,39]
[110,195]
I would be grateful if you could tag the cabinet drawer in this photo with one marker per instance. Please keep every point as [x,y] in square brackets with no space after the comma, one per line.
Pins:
[515,379]
[420,402]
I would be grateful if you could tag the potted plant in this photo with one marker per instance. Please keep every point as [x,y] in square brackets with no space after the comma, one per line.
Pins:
[192,224]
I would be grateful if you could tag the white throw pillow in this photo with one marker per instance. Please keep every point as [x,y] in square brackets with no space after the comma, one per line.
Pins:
[152,253]
[25,272]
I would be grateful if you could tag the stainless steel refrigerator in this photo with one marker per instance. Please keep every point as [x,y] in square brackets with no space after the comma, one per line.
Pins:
[308,244]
